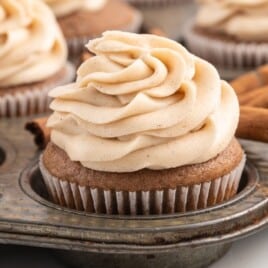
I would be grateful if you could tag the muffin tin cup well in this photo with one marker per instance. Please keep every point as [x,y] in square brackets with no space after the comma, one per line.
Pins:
[32,101]
[180,199]
[7,155]
[2,156]
[191,239]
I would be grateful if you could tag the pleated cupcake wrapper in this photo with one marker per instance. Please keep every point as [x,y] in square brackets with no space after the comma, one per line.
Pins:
[32,101]
[76,46]
[156,3]
[180,199]
[257,152]
[226,54]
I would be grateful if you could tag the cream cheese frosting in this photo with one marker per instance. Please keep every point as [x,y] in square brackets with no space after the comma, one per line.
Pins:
[65,7]
[32,47]
[245,20]
[143,102]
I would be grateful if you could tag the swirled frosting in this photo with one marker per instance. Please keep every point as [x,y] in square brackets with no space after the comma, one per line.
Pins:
[143,102]
[245,20]
[65,7]
[32,47]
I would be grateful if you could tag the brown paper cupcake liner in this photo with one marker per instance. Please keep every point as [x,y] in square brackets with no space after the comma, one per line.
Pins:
[257,152]
[180,199]
[225,54]
[76,45]
[32,101]
[155,3]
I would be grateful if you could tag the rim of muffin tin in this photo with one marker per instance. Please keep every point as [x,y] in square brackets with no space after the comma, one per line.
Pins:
[242,215]
[29,177]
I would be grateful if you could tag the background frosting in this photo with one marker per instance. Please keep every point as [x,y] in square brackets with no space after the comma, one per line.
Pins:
[66,7]
[243,19]
[32,47]
[143,102]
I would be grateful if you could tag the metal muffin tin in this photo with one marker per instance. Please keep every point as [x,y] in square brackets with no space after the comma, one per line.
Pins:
[192,239]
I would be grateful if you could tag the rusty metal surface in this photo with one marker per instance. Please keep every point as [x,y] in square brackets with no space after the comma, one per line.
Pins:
[26,218]
[186,257]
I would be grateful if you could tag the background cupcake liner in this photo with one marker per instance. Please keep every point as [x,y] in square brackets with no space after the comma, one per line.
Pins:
[180,199]
[76,46]
[32,101]
[257,152]
[225,54]
[150,3]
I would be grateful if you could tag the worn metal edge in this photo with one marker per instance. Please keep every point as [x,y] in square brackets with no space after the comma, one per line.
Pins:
[88,246]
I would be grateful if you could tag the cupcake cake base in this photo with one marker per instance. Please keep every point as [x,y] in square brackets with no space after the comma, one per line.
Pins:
[164,191]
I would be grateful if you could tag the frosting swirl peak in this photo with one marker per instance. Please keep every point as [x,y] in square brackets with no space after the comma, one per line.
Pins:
[32,47]
[245,20]
[142,102]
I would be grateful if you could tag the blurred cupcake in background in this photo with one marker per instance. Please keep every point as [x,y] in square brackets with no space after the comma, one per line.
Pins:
[81,20]
[33,56]
[231,34]
[167,15]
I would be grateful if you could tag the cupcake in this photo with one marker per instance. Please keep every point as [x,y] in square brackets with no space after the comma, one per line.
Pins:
[32,57]
[231,34]
[81,20]
[141,131]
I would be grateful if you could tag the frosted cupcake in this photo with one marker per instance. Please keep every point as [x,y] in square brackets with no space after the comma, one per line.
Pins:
[82,20]
[32,57]
[141,131]
[232,34]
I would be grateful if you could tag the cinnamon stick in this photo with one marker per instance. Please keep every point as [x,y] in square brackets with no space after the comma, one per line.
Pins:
[255,97]
[246,82]
[251,80]
[260,99]
[253,124]
[263,74]
[39,130]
